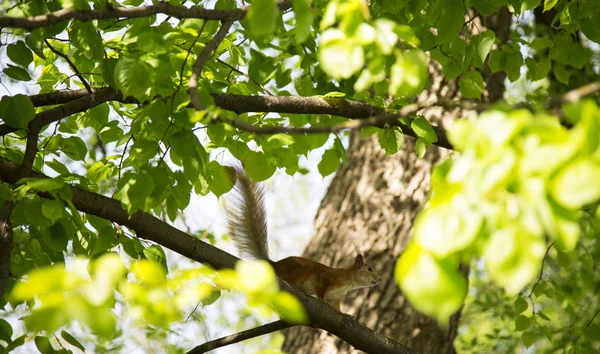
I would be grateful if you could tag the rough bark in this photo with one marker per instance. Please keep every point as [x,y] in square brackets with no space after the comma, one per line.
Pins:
[372,203]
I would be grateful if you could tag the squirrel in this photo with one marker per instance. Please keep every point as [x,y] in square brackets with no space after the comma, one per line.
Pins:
[248,228]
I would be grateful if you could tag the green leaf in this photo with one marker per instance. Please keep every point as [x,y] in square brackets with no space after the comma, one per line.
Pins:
[53,209]
[561,73]
[17,111]
[257,166]
[521,304]
[329,162]
[409,75]
[43,345]
[278,140]
[6,331]
[19,53]
[471,85]
[6,192]
[72,340]
[304,20]
[528,338]
[262,17]
[433,287]
[74,147]
[17,73]
[523,323]
[290,308]
[486,41]
[391,139]
[446,229]
[590,28]
[513,257]
[157,254]
[44,184]
[57,166]
[134,77]
[221,179]
[549,4]
[424,130]
[58,237]
[421,147]
[86,38]
[577,184]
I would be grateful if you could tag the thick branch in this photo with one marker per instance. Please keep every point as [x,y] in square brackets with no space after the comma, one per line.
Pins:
[151,228]
[297,105]
[241,336]
[57,113]
[374,121]
[202,58]
[130,12]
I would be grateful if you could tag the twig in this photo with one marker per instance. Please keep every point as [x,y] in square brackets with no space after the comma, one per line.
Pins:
[575,95]
[202,58]
[71,65]
[588,324]
[265,90]
[6,243]
[241,336]
[541,269]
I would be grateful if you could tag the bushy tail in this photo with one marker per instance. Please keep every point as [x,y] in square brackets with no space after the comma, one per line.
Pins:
[246,216]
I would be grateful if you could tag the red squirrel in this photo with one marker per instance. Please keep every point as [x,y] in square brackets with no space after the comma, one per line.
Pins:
[248,228]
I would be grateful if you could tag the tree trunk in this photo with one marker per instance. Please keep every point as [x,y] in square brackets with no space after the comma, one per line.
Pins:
[372,203]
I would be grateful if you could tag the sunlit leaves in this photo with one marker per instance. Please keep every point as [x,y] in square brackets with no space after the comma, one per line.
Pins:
[339,56]
[408,75]
[16,110]
[576,185]
[519,178]
[434,287]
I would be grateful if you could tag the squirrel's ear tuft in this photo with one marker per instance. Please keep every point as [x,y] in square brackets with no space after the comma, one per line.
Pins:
[359,261]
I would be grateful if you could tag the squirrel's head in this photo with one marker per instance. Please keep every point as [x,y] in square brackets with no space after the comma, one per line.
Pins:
[364,275]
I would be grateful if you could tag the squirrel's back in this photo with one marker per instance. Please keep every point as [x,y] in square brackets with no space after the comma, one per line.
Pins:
[246,216]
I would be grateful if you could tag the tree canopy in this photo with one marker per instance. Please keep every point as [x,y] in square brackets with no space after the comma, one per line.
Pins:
[114,112]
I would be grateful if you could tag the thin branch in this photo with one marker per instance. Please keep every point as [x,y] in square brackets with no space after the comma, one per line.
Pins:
[378,121]
[575,95]
[151,228]
[202,58]
[71,65]
[241,336]
[541,269]
[6,243]
[588,324]
[265,90]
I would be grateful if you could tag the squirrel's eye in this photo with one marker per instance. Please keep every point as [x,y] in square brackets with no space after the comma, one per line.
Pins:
[370,269]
